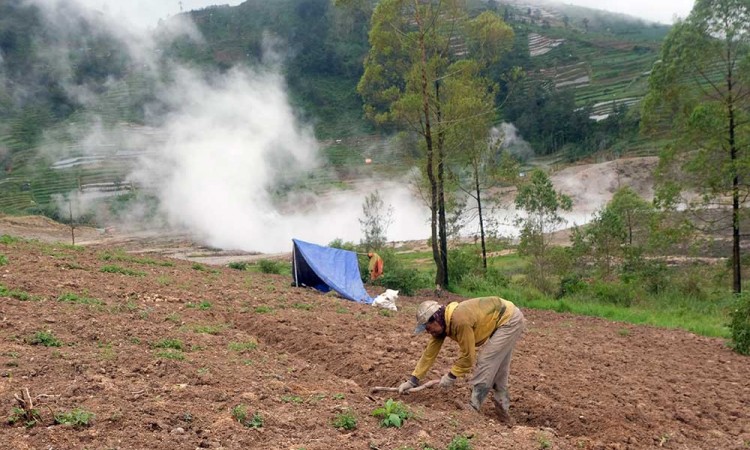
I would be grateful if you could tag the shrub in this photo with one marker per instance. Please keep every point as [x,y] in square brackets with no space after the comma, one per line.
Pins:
[463,262]
[405,281]
[200,267]
[239,265]
[77,418]
[393,414]
[346,420]
[338,243]
[614,293]
[270,266]
[491,281]
[570,285]
[476,283]
[739,326]
[496,278]
[3,260]
[653,276]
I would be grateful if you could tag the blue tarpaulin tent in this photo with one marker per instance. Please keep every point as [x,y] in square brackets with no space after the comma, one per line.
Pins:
[326,269]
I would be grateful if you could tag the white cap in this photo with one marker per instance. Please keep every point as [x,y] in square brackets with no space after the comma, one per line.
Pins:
[424,312]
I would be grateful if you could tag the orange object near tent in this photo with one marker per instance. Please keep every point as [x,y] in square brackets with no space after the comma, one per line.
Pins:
[375,266]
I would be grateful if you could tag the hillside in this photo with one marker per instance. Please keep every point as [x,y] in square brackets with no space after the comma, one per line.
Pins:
[162,352]
[582,66]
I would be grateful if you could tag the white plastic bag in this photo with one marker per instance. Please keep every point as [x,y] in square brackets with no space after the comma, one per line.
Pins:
[386,300]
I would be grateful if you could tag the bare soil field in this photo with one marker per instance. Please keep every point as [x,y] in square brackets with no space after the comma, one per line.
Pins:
[576,382]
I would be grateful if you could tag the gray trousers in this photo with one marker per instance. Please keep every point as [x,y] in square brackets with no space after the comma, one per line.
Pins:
[493,361]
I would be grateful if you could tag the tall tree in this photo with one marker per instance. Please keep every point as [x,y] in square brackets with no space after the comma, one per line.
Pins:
[416,48]
[481,163]
[699,91]
[622,229]
[472,99]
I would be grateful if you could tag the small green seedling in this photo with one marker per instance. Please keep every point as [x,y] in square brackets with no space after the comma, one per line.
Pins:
[543,441]
[77,418]
[243,346]
[174,344]
[459,443]
[45,338]
[122,270]
[203,306]
[71,297]
[29,417]
[393,414]
[291,399]
[345,421]
[239,413]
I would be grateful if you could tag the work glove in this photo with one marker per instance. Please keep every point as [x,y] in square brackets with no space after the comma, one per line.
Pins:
[447,381]
[406,386]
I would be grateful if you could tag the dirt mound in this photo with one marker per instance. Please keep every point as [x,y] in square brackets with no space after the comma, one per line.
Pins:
[46,229]
[592,185]
[162,351]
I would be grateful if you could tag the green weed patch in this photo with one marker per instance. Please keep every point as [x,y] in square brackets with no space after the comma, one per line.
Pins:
[122,271]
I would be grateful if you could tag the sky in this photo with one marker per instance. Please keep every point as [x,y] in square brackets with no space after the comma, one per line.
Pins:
[146,13]
[662,11]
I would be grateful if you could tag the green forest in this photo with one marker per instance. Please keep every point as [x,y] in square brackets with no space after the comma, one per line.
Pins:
[423,82]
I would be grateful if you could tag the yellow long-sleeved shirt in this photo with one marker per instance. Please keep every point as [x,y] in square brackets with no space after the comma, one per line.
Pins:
[470,323]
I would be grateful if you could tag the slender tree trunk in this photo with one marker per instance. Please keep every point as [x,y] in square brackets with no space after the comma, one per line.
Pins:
[736,261]
[441,191]
[481,219]
[440,273]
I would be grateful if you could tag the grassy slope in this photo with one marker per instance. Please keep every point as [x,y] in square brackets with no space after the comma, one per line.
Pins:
[705,313]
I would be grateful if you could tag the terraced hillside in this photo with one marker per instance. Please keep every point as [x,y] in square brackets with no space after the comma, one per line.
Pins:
[606,70]
[605,73]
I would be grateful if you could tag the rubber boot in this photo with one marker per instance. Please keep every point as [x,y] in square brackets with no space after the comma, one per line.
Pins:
[501,400]
[478,394]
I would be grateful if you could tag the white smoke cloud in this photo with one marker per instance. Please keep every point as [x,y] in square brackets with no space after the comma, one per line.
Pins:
[215,145]
[230,137]
[512,141]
